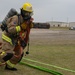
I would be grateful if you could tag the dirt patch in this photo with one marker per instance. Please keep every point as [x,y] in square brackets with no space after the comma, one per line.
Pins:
[52,36]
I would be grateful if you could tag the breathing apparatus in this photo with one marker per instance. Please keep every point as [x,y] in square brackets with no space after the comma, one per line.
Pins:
[11,13]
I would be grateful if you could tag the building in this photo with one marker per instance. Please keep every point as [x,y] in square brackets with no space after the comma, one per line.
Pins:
[72,24]
[58,24]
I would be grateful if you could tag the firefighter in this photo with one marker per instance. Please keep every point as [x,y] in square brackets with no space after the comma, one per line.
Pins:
[15,37]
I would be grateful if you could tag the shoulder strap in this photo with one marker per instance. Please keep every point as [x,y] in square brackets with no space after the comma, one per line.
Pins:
[19,22]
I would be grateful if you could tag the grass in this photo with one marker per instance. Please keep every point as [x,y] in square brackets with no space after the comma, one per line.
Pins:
[59,28]
[55,55]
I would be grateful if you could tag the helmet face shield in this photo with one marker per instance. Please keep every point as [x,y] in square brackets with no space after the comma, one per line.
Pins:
[25,14]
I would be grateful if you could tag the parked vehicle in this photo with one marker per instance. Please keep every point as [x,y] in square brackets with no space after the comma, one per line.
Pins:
[72,28]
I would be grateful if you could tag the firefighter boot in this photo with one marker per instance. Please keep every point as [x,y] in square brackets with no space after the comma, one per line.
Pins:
[9,68]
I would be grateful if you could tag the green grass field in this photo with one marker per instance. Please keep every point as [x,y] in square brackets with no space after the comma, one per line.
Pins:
[53,48]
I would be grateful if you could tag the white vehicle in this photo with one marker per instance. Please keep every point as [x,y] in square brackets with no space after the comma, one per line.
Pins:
[72,28]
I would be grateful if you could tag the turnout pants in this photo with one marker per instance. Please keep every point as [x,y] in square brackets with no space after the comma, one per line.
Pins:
[10,54]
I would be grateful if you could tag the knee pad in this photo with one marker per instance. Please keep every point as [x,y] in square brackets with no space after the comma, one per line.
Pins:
[8,56]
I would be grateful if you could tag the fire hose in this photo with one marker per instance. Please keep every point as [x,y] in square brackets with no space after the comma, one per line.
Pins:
[41,68]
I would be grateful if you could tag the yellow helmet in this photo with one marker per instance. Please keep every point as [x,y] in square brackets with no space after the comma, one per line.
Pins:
[27,7]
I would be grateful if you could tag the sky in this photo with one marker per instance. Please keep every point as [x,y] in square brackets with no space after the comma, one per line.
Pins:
[44,10]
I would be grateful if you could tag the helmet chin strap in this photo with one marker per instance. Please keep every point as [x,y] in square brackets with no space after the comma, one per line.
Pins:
[26,18]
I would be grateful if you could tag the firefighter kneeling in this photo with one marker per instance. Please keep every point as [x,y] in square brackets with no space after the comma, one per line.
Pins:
[15,37]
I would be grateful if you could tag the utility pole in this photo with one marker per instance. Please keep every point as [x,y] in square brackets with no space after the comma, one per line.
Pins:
[67,19]
[67,22]
[52,21]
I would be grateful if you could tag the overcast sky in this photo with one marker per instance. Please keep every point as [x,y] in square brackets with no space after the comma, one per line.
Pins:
[44,10]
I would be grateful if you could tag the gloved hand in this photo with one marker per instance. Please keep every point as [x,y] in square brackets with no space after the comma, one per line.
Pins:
[3,27]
